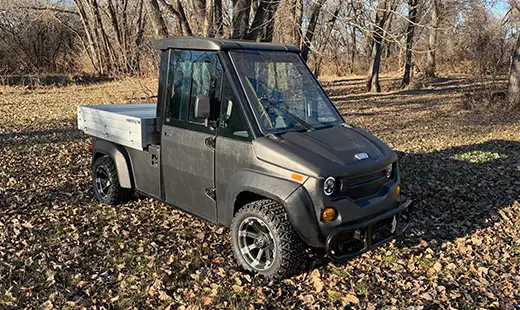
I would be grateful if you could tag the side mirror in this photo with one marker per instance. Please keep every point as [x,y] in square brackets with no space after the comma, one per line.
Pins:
[202,106]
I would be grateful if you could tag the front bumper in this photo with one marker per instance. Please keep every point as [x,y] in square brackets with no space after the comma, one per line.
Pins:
[352,240]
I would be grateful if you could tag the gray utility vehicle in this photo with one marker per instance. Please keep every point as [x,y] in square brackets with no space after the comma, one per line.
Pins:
[244,136]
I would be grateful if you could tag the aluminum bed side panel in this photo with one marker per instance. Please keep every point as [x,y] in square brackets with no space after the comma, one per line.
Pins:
[131,125]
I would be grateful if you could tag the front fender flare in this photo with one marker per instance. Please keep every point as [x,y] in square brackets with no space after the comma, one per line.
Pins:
[294,197]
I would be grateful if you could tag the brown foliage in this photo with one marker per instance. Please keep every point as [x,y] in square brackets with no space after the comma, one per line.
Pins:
[59,248]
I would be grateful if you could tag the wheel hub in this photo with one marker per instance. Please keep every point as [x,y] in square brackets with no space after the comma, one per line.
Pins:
[102,182]
[261,242]
[256,243]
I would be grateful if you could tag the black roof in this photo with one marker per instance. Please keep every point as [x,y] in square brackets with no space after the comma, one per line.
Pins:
[214,44]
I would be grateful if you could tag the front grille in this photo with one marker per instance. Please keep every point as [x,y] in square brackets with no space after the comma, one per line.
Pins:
[363,186]
[354,181]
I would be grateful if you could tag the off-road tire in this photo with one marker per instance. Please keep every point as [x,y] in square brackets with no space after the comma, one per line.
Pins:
[115,194]
[289,247]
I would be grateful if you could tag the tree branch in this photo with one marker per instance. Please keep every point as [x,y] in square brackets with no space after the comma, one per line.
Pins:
[52,9]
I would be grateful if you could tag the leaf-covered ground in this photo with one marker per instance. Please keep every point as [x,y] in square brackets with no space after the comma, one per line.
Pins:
[59,248]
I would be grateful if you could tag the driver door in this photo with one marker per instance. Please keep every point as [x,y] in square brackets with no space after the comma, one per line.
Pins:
[187,143]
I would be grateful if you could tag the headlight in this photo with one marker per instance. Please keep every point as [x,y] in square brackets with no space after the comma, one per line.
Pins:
[389,169]
[329,186]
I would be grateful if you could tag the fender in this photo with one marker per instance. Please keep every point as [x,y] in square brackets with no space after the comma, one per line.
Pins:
[120,158]
[293,196]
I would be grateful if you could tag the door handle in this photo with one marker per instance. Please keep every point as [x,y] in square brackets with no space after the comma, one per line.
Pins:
[168,134]
[210,142]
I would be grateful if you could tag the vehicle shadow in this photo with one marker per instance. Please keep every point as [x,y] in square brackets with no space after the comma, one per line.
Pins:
[460,189]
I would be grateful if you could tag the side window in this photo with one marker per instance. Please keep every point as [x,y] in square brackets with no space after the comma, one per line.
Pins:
[203,81]
[232,121]
[192,73]
[180,80]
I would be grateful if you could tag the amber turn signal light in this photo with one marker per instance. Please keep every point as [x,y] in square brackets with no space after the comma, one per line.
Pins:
[297,177]
[398,190]
[328,214]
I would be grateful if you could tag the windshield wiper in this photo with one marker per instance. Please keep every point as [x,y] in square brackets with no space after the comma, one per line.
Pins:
[270,104]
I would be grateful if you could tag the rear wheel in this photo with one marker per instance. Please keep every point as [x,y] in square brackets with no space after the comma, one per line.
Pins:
[106,183]
[264,240]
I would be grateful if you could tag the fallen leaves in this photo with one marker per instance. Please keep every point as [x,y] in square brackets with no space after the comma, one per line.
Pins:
[352,299]
[59,248]
[316,280]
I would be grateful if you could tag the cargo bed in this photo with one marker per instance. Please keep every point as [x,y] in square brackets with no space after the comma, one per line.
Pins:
[131,125]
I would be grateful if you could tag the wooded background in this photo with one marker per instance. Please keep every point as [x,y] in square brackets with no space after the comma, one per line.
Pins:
[337,37]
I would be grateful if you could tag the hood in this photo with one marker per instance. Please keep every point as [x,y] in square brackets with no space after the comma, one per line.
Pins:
[324,152]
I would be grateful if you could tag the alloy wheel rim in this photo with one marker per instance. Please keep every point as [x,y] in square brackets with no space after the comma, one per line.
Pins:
[102,182]
[256,243]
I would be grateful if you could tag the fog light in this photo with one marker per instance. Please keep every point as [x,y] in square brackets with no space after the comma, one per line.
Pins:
[328,214]
[398,190]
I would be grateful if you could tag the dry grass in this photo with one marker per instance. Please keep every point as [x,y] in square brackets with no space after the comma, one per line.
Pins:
[59,248]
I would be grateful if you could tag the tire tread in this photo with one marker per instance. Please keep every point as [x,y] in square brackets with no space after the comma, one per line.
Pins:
[117,194]
[292,248]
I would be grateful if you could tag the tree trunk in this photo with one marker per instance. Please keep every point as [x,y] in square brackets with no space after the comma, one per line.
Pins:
[263,23]
[412,16]
[268,31]
[141,25]
[177,9]
[200,10]
[387,38]
[115,23]
[218,19]
[241,10]
[330,27]
[158,24]
[92,50]
[353,51]
[208,20]
[514,76]
[108,51]
[297,11]
[309,33]
[377,36]
[120,51]
[432,40]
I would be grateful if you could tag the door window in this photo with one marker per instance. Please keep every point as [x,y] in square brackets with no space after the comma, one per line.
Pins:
[180,81]
[232,121]
[192,73]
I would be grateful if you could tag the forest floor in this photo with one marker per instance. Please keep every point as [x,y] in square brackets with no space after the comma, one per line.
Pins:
[59,248]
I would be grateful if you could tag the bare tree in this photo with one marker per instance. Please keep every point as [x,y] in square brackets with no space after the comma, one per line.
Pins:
[381,17]
[309,33]
[177,9]
[297,16]
[328,32]
[161,31]
[263,22]
[432,40]
[514,76]
[241,12]
[111,37]
[218,18]
[412,20]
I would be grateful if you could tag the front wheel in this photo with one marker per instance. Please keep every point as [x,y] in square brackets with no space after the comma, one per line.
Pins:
[264,240]
[106,183]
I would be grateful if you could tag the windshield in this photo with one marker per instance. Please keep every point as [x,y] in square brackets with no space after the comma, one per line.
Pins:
[282,91]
